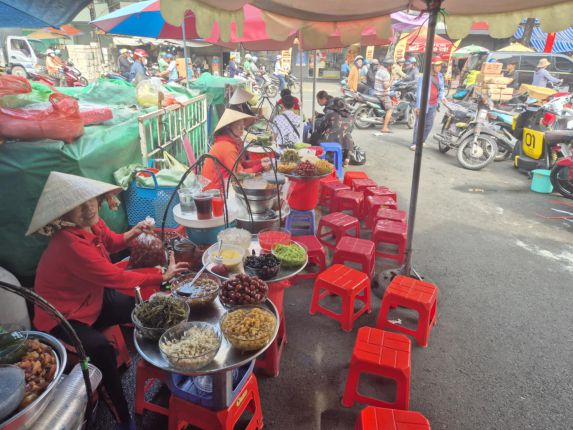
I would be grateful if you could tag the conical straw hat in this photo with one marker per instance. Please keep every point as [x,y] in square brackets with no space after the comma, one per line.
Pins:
[61,194]
[240,96]
[230,116]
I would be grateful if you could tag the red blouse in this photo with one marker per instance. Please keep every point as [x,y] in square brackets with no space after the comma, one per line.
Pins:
[75,269]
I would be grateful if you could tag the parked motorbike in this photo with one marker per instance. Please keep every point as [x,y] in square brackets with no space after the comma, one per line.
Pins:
[350,97]
[462,129]
[562,172]
[292,83]
[369,111]
[540,143]
[270,86]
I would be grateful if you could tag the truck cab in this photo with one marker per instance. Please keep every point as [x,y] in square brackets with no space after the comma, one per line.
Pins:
[17,55]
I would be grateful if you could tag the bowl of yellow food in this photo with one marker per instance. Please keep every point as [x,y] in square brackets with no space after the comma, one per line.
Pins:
[229,255]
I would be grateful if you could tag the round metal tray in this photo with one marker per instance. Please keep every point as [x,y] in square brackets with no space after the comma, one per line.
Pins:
[306,178]
[28,416]
[227,358]
[283,274]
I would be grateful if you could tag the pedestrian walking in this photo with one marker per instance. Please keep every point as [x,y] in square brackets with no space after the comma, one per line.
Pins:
[382,89]
[435,96]
[541,77]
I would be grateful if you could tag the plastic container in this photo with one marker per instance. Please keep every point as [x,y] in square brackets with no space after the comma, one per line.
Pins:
[236,236]
[541,182]
[303,194]
[270,237]
[186,361]
[206,236]
[232,256]
[151,332]
[204,205]
[291,262]
[203,292]
[250,343]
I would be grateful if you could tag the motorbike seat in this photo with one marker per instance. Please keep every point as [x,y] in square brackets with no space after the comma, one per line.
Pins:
[558,136]
[371,99]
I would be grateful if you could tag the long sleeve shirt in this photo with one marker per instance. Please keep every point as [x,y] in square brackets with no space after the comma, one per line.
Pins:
[74,270]
[353,78]
[137,69]
[439,80]
[541,77]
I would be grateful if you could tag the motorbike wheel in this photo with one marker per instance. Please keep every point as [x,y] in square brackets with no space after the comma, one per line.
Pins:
[476,156]
[504,152]
[363,112]
[271,90]
[411,118]
[442,147]
[561,182]
[19,71]
[83,81]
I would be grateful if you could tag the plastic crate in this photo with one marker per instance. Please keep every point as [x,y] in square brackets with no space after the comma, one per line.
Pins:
[142,202]
[184,386]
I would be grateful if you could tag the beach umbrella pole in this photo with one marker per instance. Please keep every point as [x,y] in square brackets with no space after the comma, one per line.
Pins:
[300,71]
[185,52]
[314,74]
[433,9]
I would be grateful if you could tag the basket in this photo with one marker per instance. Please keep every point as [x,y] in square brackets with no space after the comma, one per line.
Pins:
[142,202]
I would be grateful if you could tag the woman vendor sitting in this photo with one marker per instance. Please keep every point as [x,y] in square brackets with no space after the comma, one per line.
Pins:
[240,101]
[227,147]
[75,273]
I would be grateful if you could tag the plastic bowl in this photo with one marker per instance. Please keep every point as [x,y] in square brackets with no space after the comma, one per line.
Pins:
[264,273]
[244,342]
[287,262]
[236,236]
[13,346]
[152,332]
[232,256]
[270,237]
[203,292]
[186,359]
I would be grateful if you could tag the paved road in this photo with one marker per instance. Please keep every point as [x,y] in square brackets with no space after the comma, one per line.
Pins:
[501,355]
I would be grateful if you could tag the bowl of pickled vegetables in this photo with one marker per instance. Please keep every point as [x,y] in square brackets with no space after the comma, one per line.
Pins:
[291,255]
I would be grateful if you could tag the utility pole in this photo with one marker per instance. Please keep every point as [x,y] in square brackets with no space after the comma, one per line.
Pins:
[91,7]
[527,31]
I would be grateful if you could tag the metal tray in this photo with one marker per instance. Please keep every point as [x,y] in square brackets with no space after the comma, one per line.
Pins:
[26,418]
[227,358]
[306,178]
[283,274]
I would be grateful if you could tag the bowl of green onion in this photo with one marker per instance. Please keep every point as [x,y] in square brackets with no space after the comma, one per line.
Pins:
[292,255]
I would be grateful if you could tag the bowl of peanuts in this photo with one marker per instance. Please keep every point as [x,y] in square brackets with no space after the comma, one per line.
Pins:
[248,328]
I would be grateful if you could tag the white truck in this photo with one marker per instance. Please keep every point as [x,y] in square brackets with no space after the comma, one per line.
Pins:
[17,55]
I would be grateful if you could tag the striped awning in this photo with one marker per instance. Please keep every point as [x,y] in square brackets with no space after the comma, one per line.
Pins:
[563,39]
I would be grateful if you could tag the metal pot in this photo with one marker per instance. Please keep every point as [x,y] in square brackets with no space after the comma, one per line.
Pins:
[260,200]
[262,221]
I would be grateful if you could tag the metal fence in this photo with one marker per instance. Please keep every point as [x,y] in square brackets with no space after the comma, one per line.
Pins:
[167,129]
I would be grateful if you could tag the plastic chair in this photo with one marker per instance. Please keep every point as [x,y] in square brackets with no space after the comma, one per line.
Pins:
[390,232]
[328,186]
[339,225]
[362,184]
[373,418]
[301,223]
[372,204]
[336,149]
[381,191]
[391,214]
[347,283]
[145,372]
[350,175]
[411,294]
[316,256]
[361,251]
[348,200]
[384,354]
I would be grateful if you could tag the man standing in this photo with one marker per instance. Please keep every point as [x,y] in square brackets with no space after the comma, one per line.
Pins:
[435,96]
[397,70]
[541,77]
[354,75]
[512,74]
[279,73]
[382,88]
[124,63]
[138,71]
[171,72]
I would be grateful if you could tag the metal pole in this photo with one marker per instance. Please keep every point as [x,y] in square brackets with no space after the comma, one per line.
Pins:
[300,71]
[315,73]
[185,53]
[433,9]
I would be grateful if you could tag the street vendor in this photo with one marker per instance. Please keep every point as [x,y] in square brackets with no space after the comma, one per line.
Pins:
[240,101]
[75,273]
[227,147]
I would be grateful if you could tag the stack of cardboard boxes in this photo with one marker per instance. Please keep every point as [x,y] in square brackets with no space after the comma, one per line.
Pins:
[490,82]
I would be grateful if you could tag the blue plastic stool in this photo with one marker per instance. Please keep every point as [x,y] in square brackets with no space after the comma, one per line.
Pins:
[301,223]
[336,148]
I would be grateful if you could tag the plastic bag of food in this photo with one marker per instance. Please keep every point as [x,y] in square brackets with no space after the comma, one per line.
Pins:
[147,92]
[147,250]
[59,121]
[14,85]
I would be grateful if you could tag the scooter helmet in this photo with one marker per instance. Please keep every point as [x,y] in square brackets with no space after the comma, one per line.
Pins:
[401,61]
[387,62]
[412,60]
[49,51]
[139,53]
[279,57]
[255,59]
[248,57]
[358,57]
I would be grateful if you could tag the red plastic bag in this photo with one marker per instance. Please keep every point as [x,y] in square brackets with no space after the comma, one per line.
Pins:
[60,121]
[147,251]
[10,85]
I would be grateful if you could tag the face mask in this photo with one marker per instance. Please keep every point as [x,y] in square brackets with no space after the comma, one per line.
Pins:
[144,61]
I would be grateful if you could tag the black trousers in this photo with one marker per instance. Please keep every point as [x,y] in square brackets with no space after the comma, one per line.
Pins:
[116,309]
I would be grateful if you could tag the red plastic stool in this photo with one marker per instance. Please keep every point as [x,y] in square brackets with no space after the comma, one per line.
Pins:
[350,175]
[392,232]
[318,150]
[373,418]
[361,251]
[328,186]
[372,204]
[348,200]
[381,191]
[316,255]
[183,412]
[391,214]
[384,354]
[339,224]
[411,294]
[270,361]
[362,184]
[350,285]
[145,372]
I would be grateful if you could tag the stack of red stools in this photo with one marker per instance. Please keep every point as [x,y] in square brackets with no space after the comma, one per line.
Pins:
[373,203]
[336,225]
[328,186]
[352,201]
[351,175]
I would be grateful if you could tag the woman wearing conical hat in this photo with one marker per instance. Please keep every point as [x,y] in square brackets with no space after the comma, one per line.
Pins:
[75,273]
[227,147]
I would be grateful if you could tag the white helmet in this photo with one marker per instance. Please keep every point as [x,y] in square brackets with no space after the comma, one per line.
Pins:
[49,51]
[279,57]
[248,57]
[255,59]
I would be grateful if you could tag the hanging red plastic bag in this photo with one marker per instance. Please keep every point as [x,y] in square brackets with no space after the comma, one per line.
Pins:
[147,250]
[60,121]
[10,85]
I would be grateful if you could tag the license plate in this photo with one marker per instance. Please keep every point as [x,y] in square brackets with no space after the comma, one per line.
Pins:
[532,143]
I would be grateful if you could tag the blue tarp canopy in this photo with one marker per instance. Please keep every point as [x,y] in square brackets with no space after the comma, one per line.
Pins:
[563,39]
[38,13]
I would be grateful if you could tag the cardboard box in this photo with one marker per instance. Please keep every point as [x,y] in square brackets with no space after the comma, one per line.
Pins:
[507,91]
[491,68]
[497,80]
[495,86]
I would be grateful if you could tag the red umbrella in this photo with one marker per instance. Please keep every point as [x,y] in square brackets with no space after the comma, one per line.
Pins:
[417,43]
